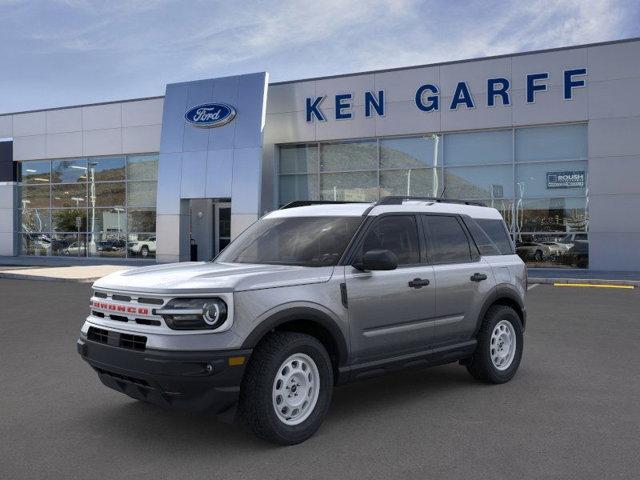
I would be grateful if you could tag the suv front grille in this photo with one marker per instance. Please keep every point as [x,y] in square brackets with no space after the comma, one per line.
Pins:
[134,342]
[98,335]
[122,340]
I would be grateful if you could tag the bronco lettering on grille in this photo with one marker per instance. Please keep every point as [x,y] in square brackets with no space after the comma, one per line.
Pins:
[119,308]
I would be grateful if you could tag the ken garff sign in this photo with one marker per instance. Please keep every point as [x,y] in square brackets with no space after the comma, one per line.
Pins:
[567,179]
[427,96]
[210,115]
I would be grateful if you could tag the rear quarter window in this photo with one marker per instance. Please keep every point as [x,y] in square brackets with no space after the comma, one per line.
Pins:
[497,232]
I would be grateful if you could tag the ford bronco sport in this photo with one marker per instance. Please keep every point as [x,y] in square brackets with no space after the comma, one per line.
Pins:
[310,296]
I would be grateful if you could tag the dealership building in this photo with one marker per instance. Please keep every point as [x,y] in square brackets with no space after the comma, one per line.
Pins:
[550,138]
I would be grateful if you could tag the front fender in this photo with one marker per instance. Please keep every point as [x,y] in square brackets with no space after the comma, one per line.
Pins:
[291,311]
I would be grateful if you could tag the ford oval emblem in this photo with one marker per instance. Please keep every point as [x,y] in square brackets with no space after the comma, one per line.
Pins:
[210,115]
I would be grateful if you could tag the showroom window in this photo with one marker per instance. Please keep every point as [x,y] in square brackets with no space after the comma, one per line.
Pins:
[536,177]
[95,206]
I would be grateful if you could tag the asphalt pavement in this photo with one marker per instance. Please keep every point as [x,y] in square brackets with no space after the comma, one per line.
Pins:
[572,411]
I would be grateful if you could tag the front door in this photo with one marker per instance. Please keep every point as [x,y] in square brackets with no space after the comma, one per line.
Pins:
[222,226]
[387,315]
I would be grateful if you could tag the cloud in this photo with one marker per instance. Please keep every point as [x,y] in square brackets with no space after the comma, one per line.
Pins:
[84,50]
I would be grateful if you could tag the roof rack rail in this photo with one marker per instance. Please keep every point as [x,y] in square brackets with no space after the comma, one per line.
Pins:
[306,203]
[398,200]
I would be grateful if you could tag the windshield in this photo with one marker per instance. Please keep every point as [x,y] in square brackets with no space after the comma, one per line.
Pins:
[303,241]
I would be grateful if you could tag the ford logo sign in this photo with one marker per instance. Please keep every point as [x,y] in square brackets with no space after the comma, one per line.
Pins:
[210,115]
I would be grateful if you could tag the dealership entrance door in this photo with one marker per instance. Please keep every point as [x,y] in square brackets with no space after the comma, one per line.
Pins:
[210,227]
[222,226]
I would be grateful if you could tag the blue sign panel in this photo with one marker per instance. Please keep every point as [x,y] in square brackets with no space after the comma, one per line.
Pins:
[568,179]
[210,115]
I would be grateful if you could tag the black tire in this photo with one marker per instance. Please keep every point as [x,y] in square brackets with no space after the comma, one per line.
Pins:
[538,256]
[256,404]
[480,365]
[144,251]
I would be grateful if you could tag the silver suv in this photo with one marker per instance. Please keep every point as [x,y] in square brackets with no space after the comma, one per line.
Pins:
[310,296]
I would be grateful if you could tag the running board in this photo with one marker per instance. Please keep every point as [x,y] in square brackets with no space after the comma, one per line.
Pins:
[425,358]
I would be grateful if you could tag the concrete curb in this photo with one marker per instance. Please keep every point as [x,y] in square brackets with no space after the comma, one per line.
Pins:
[589,281]
[19,276]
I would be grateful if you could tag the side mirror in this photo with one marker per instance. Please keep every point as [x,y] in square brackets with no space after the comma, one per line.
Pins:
[378,260]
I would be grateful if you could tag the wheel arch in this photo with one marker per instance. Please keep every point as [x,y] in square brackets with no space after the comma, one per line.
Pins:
[306,320]
[503,295]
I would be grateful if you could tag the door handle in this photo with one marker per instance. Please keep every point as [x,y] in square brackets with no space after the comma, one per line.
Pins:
[478,277]
[418,283]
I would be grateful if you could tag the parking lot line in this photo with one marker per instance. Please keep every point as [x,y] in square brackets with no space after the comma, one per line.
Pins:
[592,285]
[532,286]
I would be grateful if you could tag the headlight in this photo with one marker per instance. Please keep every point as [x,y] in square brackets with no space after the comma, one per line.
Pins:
[194,313]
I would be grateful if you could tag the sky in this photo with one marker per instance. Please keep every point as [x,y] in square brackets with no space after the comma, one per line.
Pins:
[69,52]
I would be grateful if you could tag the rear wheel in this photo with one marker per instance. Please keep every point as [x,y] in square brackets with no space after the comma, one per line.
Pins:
[499,351]
[287,388]
[538,256]
[144,251]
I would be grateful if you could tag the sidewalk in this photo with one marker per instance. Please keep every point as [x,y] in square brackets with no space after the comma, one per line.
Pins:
[591,277]
[74,273]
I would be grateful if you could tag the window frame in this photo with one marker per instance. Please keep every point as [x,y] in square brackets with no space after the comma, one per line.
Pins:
[474,252]
[354,249]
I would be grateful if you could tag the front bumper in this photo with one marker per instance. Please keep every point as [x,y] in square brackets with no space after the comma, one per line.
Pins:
[194,381]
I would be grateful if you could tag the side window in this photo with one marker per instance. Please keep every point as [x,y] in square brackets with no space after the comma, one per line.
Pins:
[482,240]
[397,233]
[448,242]
[497,231]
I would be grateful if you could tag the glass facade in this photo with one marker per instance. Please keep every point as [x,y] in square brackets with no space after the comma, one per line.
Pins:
[95,206]
[535,176]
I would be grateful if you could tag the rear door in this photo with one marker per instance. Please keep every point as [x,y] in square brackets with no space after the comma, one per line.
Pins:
[391,312]
[462,278]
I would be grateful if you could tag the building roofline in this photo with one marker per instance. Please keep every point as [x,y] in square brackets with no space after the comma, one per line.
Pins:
[366,72]
[467,60]
[67,107]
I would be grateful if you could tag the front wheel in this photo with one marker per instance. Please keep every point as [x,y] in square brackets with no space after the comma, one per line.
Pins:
[500,342]
[287,388]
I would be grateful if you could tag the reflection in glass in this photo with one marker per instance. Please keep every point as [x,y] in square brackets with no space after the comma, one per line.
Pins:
[347,156]
[298,187]
[421,182]
[142,220]
[109,237]
[552,215]
[298,159]
[106,168]
[141,245]
[65,220]
[141,194]
[69,195]
[35,220]
[531,179]
[558,142]
[142,167]
[356,187]
[34,196]
[69,245]
[479,182]
[478,148]
[69,171]
[92,190]
[37,244]
[110,194]
[35,172]
[412,152]
[568,250]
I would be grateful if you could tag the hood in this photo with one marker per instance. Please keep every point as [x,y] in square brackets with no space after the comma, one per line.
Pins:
[208,277]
